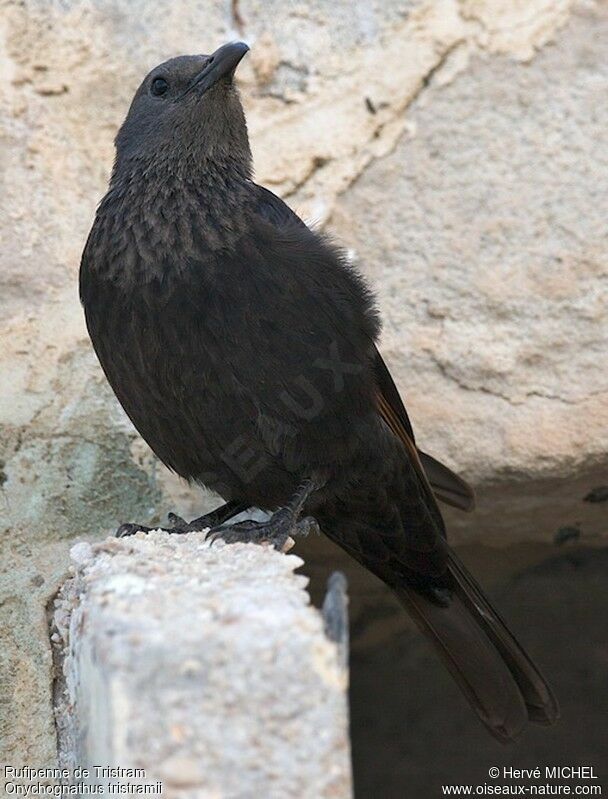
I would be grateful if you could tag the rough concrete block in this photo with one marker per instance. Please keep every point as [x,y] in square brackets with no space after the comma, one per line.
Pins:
[205,666]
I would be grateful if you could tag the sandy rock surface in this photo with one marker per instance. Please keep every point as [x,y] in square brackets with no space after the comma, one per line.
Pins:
[206,666]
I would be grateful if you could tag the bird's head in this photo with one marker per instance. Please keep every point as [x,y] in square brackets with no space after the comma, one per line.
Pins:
[186,115]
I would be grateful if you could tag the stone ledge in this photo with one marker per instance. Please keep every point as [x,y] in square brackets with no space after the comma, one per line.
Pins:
[206,666]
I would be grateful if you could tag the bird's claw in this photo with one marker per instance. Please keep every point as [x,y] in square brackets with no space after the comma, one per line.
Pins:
[178,527]
[128,529]
[276,531]
[176,521]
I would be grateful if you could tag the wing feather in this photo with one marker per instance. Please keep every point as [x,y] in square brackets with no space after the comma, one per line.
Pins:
[447,486]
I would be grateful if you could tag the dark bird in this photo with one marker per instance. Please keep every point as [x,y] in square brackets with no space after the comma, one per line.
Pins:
[242,345]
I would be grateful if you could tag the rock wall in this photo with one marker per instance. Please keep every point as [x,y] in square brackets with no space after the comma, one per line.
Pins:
[458,150]
[205,666]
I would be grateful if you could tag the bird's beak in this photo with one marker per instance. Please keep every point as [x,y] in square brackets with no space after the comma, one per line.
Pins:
[222,63]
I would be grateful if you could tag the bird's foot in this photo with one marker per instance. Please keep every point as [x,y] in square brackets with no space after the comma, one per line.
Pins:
[180,526]
[276,531]
[129,528]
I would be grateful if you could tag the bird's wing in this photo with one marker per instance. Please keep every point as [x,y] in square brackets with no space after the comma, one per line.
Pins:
[274,210]
[447,486]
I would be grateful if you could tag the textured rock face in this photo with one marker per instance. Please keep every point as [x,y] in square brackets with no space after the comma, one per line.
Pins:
[485,233]
[457,147]
[205,666]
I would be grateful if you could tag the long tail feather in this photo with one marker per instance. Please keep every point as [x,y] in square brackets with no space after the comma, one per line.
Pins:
[493,671]
[542,705]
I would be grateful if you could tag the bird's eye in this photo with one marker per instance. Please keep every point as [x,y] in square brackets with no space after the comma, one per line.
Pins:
[158,87]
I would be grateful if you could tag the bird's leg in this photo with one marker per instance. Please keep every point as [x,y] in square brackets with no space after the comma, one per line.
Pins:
[283,523]
[178,525]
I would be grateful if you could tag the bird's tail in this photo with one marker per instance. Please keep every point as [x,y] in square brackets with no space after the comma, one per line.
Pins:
[498,678]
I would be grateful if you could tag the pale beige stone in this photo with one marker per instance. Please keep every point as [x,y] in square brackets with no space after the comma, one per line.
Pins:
[204,665]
